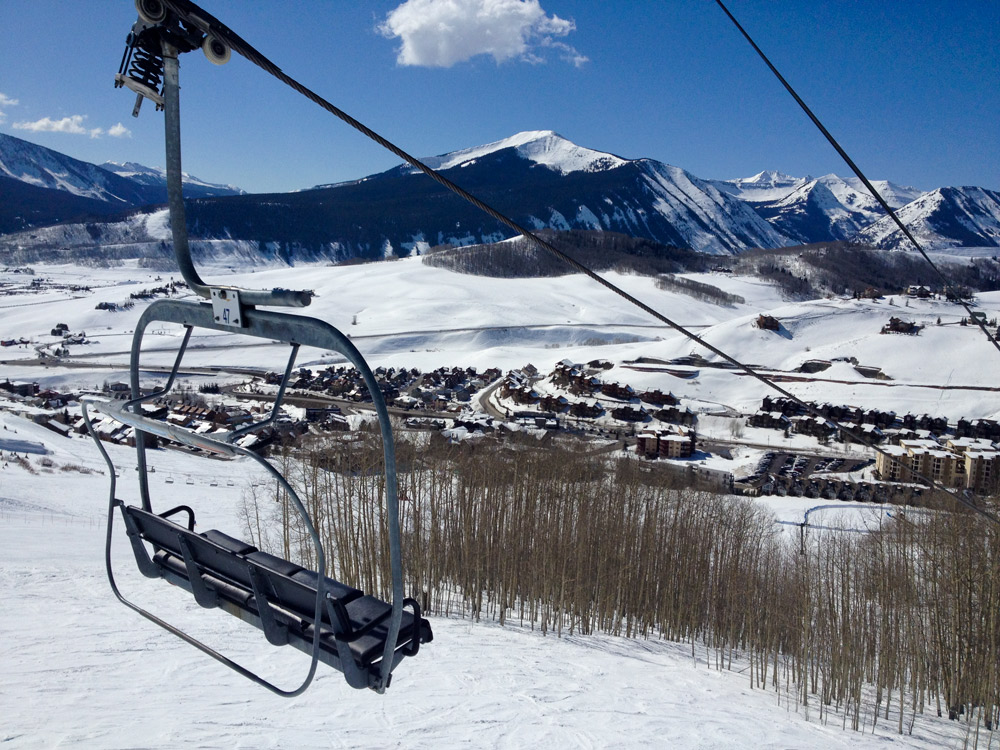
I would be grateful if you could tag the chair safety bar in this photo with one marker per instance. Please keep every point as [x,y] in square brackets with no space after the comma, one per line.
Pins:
[117,411]
[274,326]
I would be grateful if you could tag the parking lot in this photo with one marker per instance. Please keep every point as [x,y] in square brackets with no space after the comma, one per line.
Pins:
[800,475]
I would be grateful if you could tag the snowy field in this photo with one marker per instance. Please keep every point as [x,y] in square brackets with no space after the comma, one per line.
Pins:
[405,314]
[82,671]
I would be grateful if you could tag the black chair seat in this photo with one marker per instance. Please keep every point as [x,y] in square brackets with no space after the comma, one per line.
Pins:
[274,563]
[224,566]
[366,612]
[336,589]
[228,543]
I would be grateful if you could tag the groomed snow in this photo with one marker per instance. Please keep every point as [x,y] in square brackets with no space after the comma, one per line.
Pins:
[80,670]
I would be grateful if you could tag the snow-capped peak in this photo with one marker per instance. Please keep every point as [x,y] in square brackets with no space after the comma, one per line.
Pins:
[768,185]
[539,146]
[769,178]
[158,176]
[130,168]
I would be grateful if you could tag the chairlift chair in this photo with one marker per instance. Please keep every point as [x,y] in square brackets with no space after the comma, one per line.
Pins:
[359,635]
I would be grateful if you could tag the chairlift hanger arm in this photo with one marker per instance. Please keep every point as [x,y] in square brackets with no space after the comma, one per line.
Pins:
[162,33]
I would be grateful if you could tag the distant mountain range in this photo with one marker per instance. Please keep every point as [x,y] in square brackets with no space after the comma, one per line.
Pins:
[816,210]
[538,178]
[39,186]
[961,216]
[156,178]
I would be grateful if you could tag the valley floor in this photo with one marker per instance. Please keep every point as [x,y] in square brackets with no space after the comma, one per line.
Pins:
[80,670]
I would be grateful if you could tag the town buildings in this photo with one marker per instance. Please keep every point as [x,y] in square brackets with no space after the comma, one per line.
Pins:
[961,462]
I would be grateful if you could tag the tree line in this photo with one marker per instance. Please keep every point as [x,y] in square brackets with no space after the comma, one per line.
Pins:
[866,627]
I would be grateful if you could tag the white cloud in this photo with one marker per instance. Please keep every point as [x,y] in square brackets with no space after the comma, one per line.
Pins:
[72,124]
[6,101]
[119,131]
[441,33]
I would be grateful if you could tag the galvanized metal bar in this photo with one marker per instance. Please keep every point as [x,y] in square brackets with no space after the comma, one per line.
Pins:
[136,397]
[141,423]
[175,198]
[175,192]
[170,379]
[277,401]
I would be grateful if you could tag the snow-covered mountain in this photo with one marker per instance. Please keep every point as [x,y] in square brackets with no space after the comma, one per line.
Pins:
[703,218]
[814,212]
[895,195]
[771,187]
[44,168]
[762,187]
[538,178]
[943,218]
[827,208]
[655,200]
[194,187]
[538,146]
[543,180]
[39,186]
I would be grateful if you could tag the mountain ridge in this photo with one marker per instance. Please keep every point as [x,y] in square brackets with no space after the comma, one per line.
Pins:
[969,215]
[540,179]
[157,177]
[42,186]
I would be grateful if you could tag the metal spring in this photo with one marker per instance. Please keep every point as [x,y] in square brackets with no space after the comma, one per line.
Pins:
[146,62]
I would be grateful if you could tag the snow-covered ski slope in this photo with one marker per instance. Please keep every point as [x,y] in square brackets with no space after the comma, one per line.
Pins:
[82,671]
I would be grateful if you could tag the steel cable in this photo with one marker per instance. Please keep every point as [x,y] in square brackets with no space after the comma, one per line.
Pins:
[237,44]
[857,171]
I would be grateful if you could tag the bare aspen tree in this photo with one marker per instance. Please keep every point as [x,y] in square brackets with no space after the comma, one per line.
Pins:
[875,626]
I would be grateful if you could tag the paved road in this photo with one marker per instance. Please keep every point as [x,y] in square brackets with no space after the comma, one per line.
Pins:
[484,400]
[393,334]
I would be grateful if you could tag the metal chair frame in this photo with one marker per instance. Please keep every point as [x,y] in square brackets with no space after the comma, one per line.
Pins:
[298,331]
[182,27]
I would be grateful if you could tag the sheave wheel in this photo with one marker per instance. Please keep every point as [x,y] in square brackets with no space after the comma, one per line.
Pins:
[151,11]
[217,51]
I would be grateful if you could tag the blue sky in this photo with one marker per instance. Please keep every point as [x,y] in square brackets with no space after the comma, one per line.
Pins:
[911,89]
